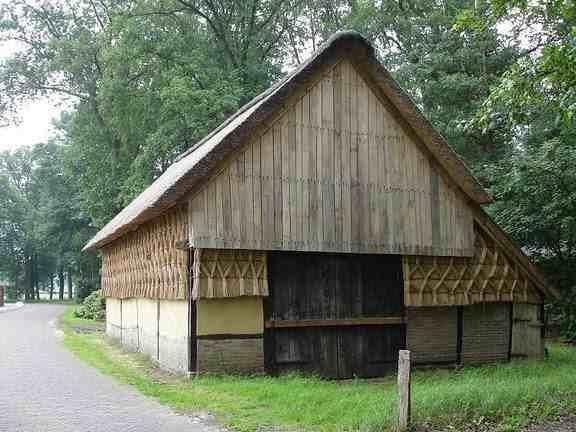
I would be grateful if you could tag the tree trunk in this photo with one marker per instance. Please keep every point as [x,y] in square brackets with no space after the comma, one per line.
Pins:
[51,287]
[29,283]
[35,279]
[70,291]
[61,283]
[16,286]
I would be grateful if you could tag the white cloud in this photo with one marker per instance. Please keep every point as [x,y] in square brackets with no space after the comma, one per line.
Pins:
[37,116]
[35,127]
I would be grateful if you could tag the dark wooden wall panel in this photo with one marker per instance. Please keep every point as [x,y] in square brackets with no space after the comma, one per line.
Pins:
[327,288]
[334,286]
[338,352]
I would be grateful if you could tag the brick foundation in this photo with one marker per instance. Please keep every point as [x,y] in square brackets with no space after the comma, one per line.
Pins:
[432,334]
[235,355]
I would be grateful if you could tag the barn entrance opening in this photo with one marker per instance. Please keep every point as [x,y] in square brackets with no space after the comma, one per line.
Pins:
[336,315]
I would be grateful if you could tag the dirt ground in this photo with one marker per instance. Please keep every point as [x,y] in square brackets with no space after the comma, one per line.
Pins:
[564,424]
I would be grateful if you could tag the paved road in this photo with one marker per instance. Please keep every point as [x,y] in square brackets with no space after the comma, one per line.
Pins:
[44,388]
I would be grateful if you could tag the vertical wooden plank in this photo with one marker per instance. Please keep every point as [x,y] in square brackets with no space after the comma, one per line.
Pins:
[390,156]
[226,208]
[197,222]
[447,223]
[306,173]
[442,214]
[383,176]
[320,149]
[435,207]
[314,193]
[257,193]
[248,196]
[410,196]
[235,185]
[419,208]
[298,204]
[209,199]
[328,162]
[337,176]
[286,174]
[345,156]
[278,186]
[374,125]
[396,200]
[268,221]
[219,211]
[425,185]
[402,187]
[364,163]
[355,185]
[293,180]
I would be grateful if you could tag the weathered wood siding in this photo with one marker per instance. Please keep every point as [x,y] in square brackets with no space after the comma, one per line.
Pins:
[146,262]
[527,334]
[489,276]
[333,314]
[335,171]
[432,334]
[486,333]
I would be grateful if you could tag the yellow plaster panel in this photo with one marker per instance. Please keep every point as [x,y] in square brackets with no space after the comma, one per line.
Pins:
[238,315]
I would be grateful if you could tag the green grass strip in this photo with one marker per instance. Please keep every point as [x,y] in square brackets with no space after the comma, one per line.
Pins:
[505,395]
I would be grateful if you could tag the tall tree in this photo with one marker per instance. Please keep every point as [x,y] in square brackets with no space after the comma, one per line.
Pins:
[534,105]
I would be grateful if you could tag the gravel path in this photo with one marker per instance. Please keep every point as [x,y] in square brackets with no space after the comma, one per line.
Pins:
[44,388]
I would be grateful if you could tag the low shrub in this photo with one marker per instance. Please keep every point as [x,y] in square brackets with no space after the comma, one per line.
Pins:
[93,307]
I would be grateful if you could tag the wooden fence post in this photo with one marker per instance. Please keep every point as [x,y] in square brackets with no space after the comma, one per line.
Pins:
[403,390]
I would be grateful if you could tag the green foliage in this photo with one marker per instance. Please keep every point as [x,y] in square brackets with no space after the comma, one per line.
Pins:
[41,228]
[532,106]
[93,307]
[536,204]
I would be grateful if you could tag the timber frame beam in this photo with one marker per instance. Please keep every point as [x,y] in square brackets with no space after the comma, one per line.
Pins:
[335,322]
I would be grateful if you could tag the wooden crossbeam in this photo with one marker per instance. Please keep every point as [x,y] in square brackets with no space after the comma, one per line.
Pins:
[335,322]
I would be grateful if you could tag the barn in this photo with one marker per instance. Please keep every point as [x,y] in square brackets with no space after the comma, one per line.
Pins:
[321,228]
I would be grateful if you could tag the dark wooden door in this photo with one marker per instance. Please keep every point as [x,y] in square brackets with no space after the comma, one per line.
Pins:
[336,315]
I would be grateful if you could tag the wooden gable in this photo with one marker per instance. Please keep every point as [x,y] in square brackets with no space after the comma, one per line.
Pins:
[335,171]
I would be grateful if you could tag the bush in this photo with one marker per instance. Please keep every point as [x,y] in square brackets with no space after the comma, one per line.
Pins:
[93,307]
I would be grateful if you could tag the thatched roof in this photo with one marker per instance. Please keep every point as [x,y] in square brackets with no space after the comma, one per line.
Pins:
[195,164]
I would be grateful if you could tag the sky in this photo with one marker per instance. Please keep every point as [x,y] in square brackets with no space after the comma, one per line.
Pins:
[36,117]
[35,127]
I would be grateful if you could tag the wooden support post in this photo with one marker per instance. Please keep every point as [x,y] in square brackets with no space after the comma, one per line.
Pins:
[403,390]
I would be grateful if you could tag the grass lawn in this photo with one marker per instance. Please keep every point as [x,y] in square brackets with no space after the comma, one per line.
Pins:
[69,320]
[506,395]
